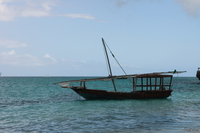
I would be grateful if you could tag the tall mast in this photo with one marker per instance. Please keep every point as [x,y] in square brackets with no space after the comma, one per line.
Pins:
[108,63]
[110,71]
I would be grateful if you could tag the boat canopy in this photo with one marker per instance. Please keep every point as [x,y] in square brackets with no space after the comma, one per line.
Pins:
[65,84]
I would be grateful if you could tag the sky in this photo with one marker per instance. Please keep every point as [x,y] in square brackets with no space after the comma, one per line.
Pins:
[63,37]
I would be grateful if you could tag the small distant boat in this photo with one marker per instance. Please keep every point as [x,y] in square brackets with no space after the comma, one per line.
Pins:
[144,86]
[47,76]
[198,73]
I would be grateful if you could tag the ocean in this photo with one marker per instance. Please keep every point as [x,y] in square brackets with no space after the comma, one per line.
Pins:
[36,104]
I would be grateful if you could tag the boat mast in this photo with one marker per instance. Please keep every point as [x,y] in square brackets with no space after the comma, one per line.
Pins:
[108,63]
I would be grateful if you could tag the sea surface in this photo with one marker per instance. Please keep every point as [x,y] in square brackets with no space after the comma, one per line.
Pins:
[36,104]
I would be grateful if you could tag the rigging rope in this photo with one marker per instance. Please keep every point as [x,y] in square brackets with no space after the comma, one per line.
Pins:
[115,59]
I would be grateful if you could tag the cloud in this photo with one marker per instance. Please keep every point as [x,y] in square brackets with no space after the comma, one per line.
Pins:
[85,16]
[190,6]
[11,58]
[12,44]
[49,57]
[11,52]
[121,3]
[10,9]
[26,60]
[77,64]
[83,61]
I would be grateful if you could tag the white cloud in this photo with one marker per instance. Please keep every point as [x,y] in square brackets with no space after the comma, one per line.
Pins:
[24,8]
[26,60]
[32,8]
[78,64]
[85,16]
[190,6]
[11,58]
[10,9]
[34,13]
[12,44]
[5,13]
[11,52]
[49,57]
[83,61]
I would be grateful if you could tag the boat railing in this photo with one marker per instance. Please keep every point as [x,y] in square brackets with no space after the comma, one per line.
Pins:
[152,82]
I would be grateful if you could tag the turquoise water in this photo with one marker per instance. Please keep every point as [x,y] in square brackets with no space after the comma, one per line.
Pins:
[35,104]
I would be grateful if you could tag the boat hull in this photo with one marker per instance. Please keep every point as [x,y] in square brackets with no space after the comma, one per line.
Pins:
[90,94]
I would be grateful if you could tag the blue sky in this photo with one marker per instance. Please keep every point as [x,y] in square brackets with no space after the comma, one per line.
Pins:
[63,37]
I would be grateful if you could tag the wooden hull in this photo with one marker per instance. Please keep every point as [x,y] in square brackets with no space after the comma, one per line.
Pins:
[91,94]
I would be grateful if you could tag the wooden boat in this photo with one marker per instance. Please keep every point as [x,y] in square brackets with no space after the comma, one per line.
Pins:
[198,73]
[142,86]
